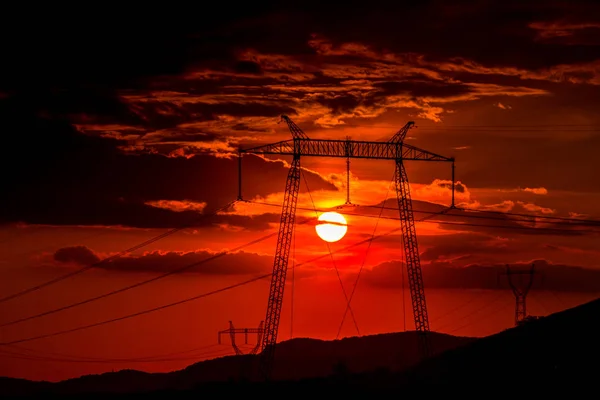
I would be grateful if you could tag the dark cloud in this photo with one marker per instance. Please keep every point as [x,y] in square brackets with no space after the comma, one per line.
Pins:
[55,175]
[157,261]
[446,275]
[156,115]
[416,88]
[124,48]
[247,67]
[341,103]
[460,29]
[76,254]
[458,187]
[555,157]
[157,69]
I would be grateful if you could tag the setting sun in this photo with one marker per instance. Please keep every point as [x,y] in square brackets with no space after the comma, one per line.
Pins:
[332,227]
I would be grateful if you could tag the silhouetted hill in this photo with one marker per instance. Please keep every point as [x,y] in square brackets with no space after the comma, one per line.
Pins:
[559,348]
[295,359]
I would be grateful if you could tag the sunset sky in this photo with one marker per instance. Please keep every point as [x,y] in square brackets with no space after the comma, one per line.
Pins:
[119,126]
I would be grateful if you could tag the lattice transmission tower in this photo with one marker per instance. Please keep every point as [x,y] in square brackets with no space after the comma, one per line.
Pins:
[520,290]
[232,331]
[301,145]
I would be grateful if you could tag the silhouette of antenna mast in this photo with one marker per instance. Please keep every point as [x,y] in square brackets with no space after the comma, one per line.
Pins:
[301,145]
[520,291]
[232,331]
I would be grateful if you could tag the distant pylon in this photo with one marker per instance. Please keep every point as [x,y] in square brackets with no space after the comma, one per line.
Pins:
[520,291]
[233,331]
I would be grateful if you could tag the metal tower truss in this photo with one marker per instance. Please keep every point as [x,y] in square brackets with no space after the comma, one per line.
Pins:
[347,149]
[348,145]
[301,145]
[411,253]
[520,291]
[280,265]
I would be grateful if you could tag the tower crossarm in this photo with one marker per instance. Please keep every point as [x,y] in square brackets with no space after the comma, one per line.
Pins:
[401,134]
[295,130]
[244,330]
[348,149]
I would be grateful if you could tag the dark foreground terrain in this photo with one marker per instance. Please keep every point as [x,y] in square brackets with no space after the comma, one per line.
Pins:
[561,349]
[295,360]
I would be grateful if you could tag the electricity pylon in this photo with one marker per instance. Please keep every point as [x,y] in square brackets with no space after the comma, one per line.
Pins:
[520,291]
[233,331]
[301,145]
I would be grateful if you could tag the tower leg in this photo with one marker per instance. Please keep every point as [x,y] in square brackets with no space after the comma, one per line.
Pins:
[520,309]
[237,350]
[280,264]
[413,263]
[520,292]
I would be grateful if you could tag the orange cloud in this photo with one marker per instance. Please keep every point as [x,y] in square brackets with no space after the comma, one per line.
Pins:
[535,208]
[504,206]
[178,205]
[540,190]
[440,191]
[503,106]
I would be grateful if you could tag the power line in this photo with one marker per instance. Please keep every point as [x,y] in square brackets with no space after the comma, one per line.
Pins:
[364,260]
[477,310]
[206,260]
[137,314]
[572,221]
[138,284]
[108,259]
[332,259]
[515,227]
[455,309]
[575,221]
[486,316]
[584,221]
[187,300]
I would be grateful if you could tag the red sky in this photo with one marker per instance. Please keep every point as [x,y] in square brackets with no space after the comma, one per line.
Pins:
[119,129]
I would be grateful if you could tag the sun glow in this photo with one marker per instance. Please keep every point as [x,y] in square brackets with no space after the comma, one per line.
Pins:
[332,226]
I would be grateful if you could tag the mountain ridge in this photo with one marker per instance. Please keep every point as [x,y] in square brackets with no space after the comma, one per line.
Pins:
[296,359]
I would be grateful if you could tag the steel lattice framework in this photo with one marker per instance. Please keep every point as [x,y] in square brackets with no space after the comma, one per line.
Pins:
[348,149]
[520,292]
[301,145]
[411,253]
[280,265]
